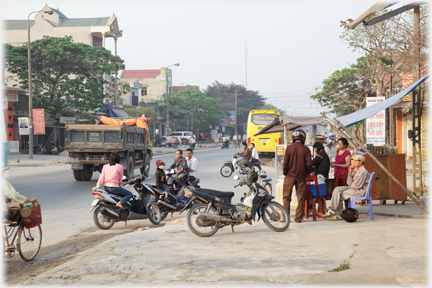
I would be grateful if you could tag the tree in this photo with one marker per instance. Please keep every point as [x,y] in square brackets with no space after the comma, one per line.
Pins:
[345,91]
[387,46]
[192,106]
[247,100]
[67,77]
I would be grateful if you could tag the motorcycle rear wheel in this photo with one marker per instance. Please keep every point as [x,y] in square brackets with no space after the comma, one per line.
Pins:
[192,221]
[154,214]
[272,220]
[226,171]
[102,222]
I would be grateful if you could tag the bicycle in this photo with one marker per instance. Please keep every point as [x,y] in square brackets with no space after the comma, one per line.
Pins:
[28,242]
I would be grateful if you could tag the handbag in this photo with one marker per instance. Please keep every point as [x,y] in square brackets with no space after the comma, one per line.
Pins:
[31,216]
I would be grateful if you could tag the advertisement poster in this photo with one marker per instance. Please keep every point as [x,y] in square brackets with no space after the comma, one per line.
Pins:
[23,123]
[232,117]
[376,124]
[39,121]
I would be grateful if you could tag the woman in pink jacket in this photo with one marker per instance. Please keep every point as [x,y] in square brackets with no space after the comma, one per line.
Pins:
[112,177]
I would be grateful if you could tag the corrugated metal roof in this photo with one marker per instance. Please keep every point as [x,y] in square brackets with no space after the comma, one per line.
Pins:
[59,13]
[153,73]
[17,24]
[84,22]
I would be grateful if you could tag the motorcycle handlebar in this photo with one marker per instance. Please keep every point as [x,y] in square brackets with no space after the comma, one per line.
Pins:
[136,180]
[238,185]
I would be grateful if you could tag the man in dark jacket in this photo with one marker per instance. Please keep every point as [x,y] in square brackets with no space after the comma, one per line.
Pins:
[321,162]
[297,163]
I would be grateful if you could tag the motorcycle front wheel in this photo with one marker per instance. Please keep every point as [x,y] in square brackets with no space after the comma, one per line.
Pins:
[226,171]
[273,216]
[197,225]
[154,214]
[102,222]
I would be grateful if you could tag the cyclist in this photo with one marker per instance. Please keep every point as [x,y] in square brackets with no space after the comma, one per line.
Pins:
[10,193]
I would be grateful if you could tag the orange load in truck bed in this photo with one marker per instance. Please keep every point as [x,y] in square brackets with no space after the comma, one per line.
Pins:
[140,122]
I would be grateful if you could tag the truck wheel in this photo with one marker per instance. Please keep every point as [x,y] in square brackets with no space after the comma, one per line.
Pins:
[77,175]
[143,169]
[87,173]
[130,168]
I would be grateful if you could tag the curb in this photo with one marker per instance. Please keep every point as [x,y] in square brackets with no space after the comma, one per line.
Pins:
[423,217]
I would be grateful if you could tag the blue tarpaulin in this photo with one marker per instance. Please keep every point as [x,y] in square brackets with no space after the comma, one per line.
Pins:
[111,110]
[358,116]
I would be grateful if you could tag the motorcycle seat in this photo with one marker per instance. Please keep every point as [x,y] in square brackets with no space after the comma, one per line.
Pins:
[216,192]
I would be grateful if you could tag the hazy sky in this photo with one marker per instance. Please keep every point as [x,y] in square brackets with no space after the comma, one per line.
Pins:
[292,46]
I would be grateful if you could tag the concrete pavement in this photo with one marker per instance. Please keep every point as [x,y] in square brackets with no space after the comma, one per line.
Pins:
[387,251]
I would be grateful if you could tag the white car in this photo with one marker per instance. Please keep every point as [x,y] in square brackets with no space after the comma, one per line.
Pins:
[184,136]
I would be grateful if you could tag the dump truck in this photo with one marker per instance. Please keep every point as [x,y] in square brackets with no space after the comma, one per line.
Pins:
[90,146]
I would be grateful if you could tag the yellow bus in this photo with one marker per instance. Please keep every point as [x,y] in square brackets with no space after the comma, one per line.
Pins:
[257,120]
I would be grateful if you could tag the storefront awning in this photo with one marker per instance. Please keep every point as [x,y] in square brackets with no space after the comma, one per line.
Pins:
[358,116]
[292,123]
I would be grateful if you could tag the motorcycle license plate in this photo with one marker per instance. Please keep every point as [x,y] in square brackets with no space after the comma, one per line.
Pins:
[264,140]
[94,202]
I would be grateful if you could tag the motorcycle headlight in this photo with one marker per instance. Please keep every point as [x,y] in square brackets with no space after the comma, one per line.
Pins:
[187,192]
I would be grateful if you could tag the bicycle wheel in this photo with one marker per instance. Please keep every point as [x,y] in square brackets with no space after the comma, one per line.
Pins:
[29,242]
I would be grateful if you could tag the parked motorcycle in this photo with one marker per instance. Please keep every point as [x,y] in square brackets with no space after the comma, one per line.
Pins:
[106,214]
[216,211]
[176,198]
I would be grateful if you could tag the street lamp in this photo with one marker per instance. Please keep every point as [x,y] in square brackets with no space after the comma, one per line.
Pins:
[30,85]
[167,124]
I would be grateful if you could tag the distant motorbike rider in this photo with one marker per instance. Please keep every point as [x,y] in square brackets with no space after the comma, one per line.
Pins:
[255,156]
[192,142]
[246,154]
[160,178]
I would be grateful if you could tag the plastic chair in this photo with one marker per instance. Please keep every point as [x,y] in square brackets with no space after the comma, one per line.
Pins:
[309,197]
[367,197]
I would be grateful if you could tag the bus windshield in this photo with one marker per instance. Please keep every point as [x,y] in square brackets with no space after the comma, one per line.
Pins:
[263,119]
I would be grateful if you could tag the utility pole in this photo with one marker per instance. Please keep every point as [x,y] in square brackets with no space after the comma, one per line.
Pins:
[416,110]
[246,52]
[235,128]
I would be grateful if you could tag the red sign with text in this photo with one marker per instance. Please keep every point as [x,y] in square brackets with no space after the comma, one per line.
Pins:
[39,122]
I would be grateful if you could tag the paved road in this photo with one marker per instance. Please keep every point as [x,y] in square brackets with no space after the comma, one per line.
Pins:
[68,228]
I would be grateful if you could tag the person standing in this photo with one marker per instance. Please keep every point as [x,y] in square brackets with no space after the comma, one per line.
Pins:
[343,158]
[112,177]
[297,163]
[238,141]
[320,138]
[244,137]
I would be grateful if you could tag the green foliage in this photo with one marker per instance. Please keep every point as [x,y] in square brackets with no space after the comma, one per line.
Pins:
[224,95]
[193,104]
[345,90]
[341,267]
[67,77]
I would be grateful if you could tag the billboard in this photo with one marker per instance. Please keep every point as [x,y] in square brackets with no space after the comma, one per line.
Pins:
[39,121]
[376,124]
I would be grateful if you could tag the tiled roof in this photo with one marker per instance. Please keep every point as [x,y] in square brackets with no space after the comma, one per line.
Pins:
[176,89]
[84,22]
[59,13]
[153,73]
[17,24]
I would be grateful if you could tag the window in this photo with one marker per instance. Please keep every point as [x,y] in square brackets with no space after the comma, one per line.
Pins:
[97,41]
[144,91]
[263,119]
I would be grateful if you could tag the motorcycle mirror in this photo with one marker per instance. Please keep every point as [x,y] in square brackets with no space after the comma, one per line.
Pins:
[124,177]
[236,177]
